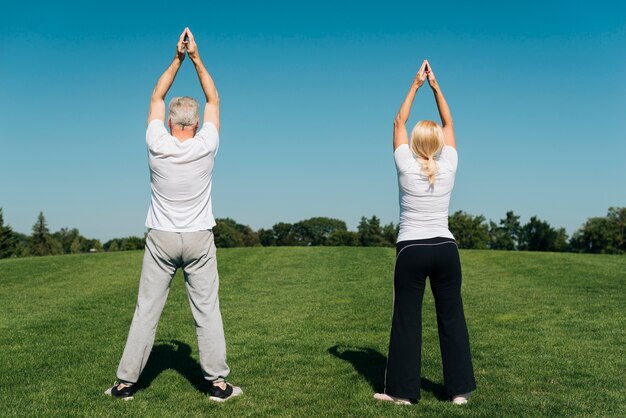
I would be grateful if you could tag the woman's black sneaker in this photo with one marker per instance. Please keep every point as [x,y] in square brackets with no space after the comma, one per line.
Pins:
[121,390]
[222,395]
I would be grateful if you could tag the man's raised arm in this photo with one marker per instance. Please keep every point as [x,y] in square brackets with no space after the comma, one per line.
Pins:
[157,101]
[212,107]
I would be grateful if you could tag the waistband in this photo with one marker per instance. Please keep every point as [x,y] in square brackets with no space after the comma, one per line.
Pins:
[424,242]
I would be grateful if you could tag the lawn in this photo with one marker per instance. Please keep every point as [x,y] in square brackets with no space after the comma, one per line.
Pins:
[307,332]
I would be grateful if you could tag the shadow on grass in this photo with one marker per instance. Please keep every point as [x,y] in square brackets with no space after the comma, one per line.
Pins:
[370,364]
[174,355]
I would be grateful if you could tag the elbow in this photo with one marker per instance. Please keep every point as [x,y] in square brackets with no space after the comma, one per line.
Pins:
[448,123]
[214,99]
[398,122]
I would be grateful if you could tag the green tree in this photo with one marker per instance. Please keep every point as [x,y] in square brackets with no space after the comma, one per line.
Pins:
[88,245]
[73,242]
[266,237]
[249,236]
[75,246]
[498,238]
[132,243]
[21,245]
[113,246]
[226,234]
[283,234]
[505,236]
[469,231]
[560,242]
[41,242]
[390,233]
[229,233]
[66,236]
[512,226]
[341,238]
[7,239]
[538,235]
[595,236]
[370,233]
[617,216]
[602,234]
[316,231]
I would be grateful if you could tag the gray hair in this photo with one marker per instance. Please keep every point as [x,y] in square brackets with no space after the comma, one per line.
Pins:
[184,111]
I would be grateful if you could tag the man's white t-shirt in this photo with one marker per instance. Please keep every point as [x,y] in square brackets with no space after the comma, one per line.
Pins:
[424,207]
[180,178]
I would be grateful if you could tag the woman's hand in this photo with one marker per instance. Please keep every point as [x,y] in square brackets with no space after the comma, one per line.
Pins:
[431,77]
[420,77]
[444,109]
[400,135]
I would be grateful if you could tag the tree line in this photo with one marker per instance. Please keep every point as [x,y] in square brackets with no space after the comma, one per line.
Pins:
[604,235]
[597,235]
[65,241]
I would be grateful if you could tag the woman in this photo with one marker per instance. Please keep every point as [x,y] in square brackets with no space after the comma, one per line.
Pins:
[426,248]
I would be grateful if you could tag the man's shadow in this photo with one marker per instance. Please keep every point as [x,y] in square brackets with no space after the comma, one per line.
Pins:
[370,364]
[175,355]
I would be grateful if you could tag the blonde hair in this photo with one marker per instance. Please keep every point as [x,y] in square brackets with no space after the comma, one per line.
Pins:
[426,141]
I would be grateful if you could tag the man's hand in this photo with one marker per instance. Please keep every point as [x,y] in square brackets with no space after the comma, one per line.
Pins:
[212,108]
[192,47]
[180,46]
[157,100]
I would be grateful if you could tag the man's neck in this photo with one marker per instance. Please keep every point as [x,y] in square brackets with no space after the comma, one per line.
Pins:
[183,134]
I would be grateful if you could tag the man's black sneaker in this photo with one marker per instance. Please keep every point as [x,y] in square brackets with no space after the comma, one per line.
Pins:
[121,390]
[222,395]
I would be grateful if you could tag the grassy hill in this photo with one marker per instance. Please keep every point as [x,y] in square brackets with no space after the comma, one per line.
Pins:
[307,332]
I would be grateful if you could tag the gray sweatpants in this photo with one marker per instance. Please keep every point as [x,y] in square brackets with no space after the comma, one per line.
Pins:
[165,252]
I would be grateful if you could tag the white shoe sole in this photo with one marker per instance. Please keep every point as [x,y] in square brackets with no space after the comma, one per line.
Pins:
[108,392]
[386,398]
[236,392]
[461,399]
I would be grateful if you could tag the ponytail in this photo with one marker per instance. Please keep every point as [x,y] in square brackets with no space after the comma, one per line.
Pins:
[426,142]
[430,168]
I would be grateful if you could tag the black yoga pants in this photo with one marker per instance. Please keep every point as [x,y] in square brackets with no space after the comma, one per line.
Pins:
[437,259]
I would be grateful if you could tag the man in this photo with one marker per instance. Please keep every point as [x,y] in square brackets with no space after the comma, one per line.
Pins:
[180,219]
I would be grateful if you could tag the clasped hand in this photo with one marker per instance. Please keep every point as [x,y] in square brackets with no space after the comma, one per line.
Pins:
[426,72]
[186,43]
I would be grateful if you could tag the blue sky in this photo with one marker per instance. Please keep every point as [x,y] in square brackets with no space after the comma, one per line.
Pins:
[308,95]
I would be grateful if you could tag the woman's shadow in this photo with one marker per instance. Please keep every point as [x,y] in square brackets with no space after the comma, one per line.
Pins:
[174,355]
[370,364]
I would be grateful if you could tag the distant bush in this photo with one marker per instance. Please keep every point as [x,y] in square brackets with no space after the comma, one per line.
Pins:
[228,233]
[125,244]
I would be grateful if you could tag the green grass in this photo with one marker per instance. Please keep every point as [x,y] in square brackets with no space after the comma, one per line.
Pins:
[307,332]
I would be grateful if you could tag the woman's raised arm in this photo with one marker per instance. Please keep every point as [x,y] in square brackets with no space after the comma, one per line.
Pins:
[444,109]
[400,136]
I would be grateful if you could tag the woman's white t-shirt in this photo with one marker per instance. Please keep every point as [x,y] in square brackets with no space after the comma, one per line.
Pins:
[181,178]
[424,207]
